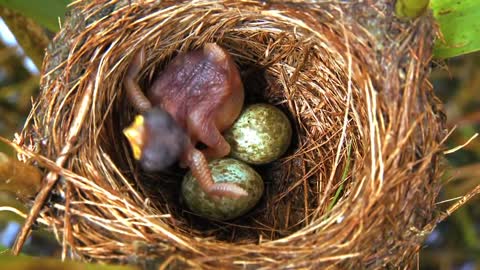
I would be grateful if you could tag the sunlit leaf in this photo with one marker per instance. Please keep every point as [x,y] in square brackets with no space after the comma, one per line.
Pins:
[410,9]
[34,263]
[18,177]
[459,22]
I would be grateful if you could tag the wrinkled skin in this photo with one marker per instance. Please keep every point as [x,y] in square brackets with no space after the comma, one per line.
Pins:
[198,96]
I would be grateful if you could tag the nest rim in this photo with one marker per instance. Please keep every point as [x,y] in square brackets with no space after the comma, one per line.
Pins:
[330,221]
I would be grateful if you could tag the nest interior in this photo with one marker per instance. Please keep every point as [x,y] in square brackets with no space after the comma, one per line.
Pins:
[356,188]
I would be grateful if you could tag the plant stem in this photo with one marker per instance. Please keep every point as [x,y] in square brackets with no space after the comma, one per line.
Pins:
[31,37]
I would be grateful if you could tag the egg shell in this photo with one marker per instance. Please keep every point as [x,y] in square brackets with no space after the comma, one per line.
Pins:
[260,135]
[223,208]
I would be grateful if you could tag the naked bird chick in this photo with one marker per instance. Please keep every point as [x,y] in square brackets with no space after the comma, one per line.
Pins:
[197,96]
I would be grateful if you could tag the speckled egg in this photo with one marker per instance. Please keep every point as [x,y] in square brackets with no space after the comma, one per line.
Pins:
[260,135]
[224,170]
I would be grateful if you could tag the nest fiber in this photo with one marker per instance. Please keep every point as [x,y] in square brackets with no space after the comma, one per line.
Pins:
[356,188]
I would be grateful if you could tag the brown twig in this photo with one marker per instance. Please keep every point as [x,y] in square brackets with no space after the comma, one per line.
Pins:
[52,177]
[462,201]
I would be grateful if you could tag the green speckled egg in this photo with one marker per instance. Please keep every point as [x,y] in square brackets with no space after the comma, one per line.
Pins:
[224,170]
[260,135]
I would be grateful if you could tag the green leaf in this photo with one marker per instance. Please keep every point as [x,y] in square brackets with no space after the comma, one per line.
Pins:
[44,12]
[28,262]
[6,149]
[459,22]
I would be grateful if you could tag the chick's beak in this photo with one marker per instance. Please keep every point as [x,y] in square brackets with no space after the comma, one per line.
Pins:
[135,134]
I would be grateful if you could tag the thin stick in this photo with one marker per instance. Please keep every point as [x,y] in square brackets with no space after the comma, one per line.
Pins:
[52,177]
[458,204]
[67,231]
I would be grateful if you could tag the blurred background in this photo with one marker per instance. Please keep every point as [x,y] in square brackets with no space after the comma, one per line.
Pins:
[454,244]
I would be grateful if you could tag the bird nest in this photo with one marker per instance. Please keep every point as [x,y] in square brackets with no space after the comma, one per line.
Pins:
[355,189]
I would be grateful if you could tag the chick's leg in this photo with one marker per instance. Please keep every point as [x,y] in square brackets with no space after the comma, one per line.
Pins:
[134,94]
[222,149]
[200,170]
[217,146]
